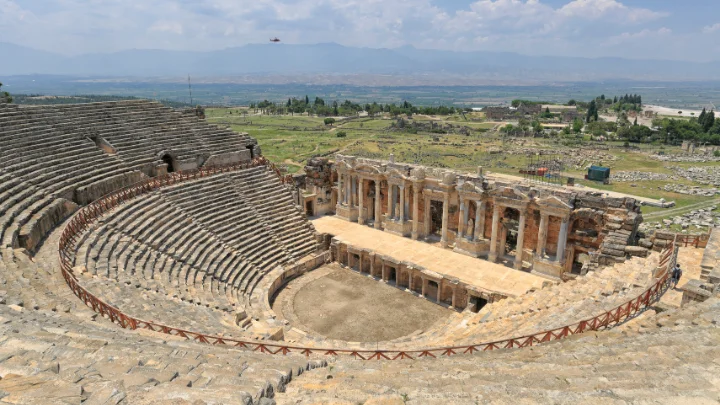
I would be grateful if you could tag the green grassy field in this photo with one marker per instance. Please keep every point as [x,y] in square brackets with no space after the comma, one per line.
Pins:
[291,140]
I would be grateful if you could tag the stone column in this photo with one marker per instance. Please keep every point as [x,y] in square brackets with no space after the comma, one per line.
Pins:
[348,196]
[402,204]
[410,279]
[492,256]
[427,216]
[406,193]
[480,220]
[542,234]
[361,202]
[462,218]
[341,191]
[454,297]
[445,219]
[382,274]
[520,241]
[562,240]
[392,201]
[416,212]
[424,286]
[439,291]
[378,215]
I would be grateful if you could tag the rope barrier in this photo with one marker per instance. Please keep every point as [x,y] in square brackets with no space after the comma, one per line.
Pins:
[82,220]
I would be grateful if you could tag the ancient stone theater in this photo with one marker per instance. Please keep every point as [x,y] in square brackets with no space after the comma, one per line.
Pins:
[149,257]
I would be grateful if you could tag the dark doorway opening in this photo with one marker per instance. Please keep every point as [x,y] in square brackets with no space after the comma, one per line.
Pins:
[252,151]
[579,259]
[432,290]
[477,303]
[167,159]
[511,222]
[392,276]
[357,266]
[309,208]
[436,213]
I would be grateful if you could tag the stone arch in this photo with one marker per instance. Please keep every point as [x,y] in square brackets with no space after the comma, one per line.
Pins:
[169,160]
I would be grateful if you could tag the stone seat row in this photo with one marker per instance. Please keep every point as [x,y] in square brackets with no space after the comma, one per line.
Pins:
[48,358]
[664,361]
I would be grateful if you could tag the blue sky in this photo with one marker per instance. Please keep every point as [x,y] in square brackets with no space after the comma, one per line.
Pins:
[659,29]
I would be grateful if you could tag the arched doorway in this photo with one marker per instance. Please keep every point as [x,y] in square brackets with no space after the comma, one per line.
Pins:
[168,160]
[392,275]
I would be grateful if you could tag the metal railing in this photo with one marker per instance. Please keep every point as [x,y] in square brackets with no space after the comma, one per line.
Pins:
[87,215]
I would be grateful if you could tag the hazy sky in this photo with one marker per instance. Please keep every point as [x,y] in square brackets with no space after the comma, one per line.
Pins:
[666,29]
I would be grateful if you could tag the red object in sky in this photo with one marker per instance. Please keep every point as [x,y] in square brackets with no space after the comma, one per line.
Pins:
[276,39]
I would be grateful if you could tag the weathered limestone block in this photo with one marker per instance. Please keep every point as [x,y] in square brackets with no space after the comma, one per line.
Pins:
[229,158]
[637,251]
[87,194]
[614,252]
[44,221]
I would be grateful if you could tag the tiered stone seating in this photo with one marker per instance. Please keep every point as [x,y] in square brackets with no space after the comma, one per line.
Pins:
[191,254]
[274,205]
[669,358]
[45,159]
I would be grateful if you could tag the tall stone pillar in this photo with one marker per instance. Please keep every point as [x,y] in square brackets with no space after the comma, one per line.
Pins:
[463,217]
[520,241]
[416,212]
[348,196]
[407,204]
[392,201]
[492,256]
[402,204]
[424,286]
[361,202]
[480,220]
[542,234]
[341,190]
[378,214]
[445,219]
[562,240]
[427,217]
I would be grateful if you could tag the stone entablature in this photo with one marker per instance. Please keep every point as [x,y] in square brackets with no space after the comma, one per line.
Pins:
[550,231]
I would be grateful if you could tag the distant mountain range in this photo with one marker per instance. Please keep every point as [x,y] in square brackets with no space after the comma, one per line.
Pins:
[331,58]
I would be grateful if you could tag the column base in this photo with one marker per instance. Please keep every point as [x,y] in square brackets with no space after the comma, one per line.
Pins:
[348,213]
[492,257]
[398,228]
[475,248]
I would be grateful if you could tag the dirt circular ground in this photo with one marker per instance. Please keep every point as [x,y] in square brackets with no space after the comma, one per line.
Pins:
[349,306]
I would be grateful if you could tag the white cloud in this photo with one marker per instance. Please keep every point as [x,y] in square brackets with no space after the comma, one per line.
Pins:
[528,26]
[172,27]
[640,35]
[711,28]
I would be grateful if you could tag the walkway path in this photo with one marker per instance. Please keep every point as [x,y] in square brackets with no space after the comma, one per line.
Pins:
[469,270]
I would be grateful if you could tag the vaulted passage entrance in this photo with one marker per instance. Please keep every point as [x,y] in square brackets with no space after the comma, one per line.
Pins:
[167,159]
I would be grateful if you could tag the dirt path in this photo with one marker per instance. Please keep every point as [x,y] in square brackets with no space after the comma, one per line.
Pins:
[681,210]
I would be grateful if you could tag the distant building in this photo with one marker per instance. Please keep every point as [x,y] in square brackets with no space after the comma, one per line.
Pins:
[650,114]
[570,115]
[496,113]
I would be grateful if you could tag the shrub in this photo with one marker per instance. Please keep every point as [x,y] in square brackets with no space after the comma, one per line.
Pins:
[341,134]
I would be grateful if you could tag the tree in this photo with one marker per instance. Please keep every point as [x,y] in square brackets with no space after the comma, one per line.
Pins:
[572,102]
[5,96]
[709,121]
[289,103]
[329,121]
[635,123]
[592,112]
[701,118]
[577,126]
[307,100]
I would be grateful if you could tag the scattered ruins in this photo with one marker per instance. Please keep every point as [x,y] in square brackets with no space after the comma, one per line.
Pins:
[144,250]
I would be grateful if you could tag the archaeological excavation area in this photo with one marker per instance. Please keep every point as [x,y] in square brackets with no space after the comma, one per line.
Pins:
[149,257]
